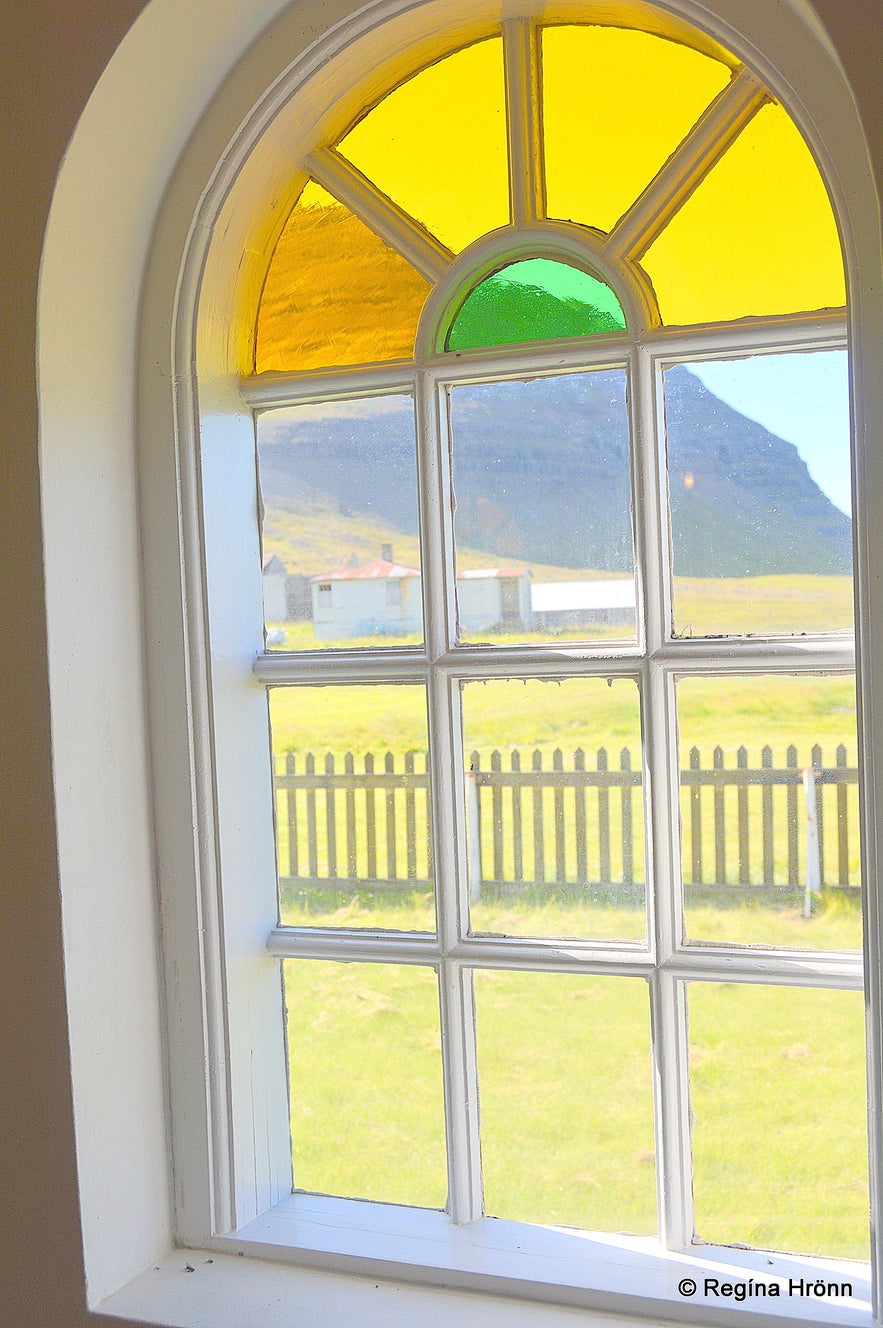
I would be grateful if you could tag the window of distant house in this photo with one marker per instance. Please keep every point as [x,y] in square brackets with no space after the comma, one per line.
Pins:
[568,777]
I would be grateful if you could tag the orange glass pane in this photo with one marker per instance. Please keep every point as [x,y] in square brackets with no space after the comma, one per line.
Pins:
[437,145]
[616,103]
[757,237]
[335,293]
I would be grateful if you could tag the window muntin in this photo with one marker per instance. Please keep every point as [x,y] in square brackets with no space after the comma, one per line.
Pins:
[445,663]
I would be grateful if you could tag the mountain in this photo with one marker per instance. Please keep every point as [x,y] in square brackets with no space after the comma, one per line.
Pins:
[541,474]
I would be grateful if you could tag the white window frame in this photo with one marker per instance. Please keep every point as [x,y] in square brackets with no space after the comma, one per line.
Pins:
[223,933]
[653,662]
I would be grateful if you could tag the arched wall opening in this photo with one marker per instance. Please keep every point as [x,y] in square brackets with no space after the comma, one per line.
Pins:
[187,193]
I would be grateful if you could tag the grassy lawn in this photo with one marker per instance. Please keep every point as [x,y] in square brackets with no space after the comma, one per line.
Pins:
[565,1097]
[565,1076]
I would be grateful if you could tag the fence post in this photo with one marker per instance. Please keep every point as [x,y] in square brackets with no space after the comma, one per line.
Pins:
[742,808]
[517,855]
[628,847]
[813,873]
[291,769]
[720,829]
[842,824]
[603,821]
[695,821]
[473,830]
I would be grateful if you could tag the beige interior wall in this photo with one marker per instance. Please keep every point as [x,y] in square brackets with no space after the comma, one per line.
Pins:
[55,51]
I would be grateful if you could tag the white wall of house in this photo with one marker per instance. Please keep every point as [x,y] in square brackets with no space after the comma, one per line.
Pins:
[487,602]
[366,606]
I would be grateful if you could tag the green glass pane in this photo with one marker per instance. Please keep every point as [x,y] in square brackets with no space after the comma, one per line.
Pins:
[537,299]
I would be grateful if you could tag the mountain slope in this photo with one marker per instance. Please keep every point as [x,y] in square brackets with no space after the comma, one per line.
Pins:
[541,475]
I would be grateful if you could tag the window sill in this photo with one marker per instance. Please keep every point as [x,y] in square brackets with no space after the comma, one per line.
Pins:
[251,1274]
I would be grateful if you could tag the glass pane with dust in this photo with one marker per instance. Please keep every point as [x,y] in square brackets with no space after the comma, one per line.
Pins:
[777,1093]
[566,1100]
[364,1055]
[769,810]
[338,486]
[554,807]
[352,806]
[542,509]
[759,486]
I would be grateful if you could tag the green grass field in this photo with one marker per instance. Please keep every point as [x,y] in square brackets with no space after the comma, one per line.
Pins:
[565,1084]
[565,1097]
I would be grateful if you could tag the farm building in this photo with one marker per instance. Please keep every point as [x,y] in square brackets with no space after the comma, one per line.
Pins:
[275,583]
[367,599]
[383,598]
[496,599]
[563,605]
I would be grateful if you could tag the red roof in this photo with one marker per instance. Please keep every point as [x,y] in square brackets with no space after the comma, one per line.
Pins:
[381,570]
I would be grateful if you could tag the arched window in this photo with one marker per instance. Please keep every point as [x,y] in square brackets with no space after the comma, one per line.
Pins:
[559,669]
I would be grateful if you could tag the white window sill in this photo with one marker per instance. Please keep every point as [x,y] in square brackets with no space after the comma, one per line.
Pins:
[250,1277]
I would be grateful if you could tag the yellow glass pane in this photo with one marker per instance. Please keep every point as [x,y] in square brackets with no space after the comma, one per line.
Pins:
[437,145]
[616,103]
[757,237]
[335,293]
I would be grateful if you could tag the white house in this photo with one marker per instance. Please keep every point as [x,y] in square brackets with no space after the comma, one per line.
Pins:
[367,599]
[383,598]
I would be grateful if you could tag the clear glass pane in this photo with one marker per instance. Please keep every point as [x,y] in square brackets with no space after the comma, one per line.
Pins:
[367,1116]
[761,526]
[566,1100]
[352,806]
[542,490]
[338,484]
[437,145]
[616,104]
[555,825]
[769,810]
[535,300]
[777,1091]
[335,293]
[758,236]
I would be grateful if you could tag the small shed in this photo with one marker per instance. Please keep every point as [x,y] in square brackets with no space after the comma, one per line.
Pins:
[565,605]
[494,599]
[275,583]
[367,599]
